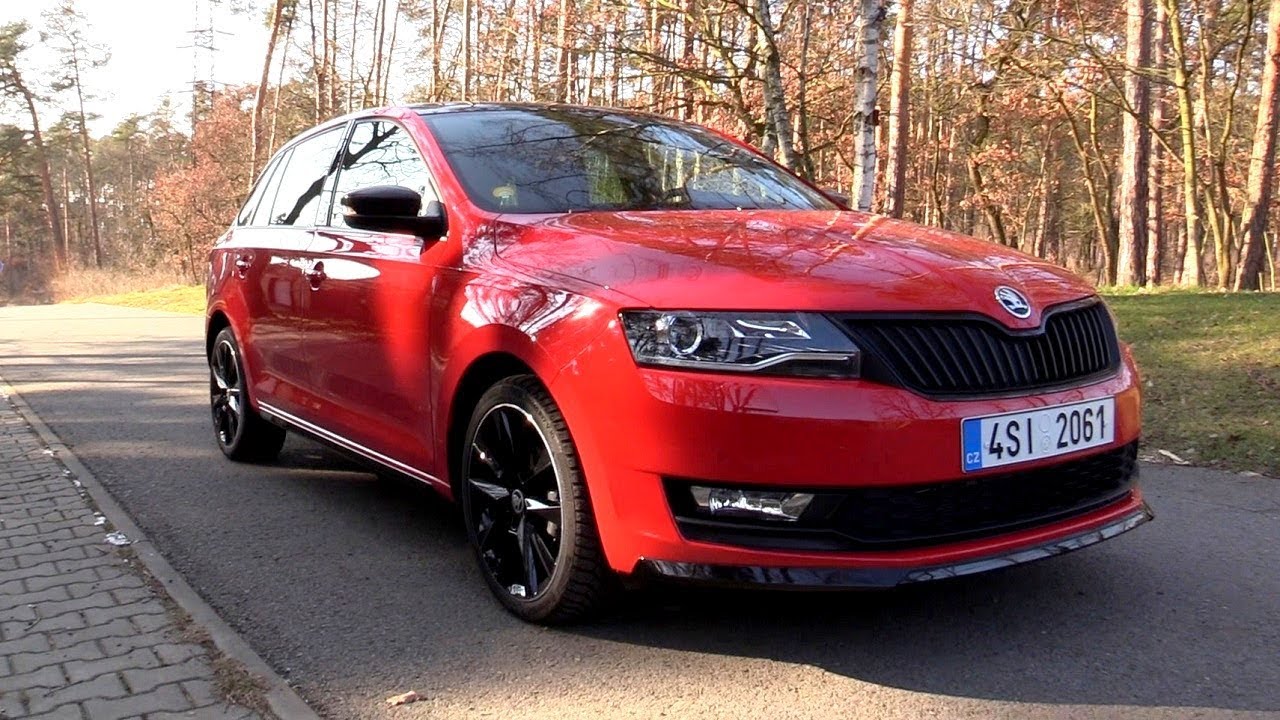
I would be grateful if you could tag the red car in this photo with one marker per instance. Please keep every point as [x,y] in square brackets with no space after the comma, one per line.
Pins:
[630,346]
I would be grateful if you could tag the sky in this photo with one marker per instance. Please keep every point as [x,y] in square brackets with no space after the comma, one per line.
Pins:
[151,54]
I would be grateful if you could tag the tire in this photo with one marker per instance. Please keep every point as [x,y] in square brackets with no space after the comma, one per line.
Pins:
[527,511]
[242,434]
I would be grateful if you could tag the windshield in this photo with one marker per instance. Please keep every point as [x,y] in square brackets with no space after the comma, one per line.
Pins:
[555,160]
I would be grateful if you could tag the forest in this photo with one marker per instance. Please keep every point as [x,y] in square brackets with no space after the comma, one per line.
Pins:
[1133,141]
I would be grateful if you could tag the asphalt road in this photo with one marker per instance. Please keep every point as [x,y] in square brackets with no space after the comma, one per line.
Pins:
[356,589]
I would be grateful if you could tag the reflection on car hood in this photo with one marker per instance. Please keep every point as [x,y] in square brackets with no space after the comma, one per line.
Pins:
[783,260]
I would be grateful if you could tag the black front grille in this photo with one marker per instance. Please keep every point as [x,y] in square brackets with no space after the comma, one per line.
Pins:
[973,356]
[905,516]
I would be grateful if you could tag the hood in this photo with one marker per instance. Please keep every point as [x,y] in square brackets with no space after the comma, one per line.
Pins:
[783,260]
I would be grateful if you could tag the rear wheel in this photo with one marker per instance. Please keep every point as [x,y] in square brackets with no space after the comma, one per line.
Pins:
[241,432]
[526,506]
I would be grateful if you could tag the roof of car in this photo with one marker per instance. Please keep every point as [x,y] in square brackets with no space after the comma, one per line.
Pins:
[464,106]
[426,109]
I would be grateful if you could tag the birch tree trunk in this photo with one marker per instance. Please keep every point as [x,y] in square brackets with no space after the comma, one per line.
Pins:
[1136,162]
[899,111]
[466,49]
[1262,165]
[870,18]
[778,117]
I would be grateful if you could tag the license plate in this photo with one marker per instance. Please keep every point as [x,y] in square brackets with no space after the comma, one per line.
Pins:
[1018,437]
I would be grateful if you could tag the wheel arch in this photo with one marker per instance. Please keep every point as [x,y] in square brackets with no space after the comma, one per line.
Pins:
[480,375]
[218,321]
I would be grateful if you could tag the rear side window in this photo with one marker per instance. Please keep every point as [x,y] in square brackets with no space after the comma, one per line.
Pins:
[303,178]
[381,153]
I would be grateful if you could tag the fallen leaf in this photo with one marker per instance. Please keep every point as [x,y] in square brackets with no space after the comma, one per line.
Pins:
[403,698]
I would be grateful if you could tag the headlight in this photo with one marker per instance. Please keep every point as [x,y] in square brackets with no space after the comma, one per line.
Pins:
[801,344]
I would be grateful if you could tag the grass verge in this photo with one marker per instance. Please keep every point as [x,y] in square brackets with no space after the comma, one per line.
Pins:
[173,298]
[1210,365]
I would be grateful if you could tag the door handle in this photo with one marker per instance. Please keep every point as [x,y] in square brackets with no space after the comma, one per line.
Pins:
[316,275]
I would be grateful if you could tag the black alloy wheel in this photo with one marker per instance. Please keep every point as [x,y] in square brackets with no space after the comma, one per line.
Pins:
[242,434]
[526,507]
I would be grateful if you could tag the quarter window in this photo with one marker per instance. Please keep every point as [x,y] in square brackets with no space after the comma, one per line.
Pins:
[262,211]
[259,190]
[381,153]
[303,179]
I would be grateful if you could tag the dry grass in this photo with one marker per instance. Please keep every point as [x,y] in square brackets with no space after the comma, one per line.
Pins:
[83,283]
[150,289]
[188,299]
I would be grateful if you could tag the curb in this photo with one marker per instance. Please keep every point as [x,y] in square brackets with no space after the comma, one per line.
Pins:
[281,698]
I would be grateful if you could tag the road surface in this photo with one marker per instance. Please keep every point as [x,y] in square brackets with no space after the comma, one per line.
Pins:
[356,589]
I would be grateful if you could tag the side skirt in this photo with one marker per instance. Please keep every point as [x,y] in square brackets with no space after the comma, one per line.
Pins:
[347,446]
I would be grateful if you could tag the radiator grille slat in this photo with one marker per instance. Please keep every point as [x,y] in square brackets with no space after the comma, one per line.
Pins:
[970,356]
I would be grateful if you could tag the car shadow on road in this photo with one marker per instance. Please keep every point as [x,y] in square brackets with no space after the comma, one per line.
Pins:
[1100,627]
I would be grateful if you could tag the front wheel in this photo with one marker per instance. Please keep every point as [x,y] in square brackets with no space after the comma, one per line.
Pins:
[241,432]
[526,507]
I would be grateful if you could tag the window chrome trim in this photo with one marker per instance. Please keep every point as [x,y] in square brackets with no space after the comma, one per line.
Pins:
[347,444]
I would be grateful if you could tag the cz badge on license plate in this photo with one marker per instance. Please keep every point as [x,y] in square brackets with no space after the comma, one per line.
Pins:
[997,440]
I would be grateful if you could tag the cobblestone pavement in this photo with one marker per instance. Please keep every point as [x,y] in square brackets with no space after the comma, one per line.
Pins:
[82,633]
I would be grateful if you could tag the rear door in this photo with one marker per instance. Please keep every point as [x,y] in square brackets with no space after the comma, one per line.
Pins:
[368,333]
[272,267]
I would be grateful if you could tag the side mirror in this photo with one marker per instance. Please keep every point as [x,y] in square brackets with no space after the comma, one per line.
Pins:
[391,208]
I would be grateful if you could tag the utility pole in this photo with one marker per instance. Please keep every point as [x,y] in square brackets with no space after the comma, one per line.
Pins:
[204,51]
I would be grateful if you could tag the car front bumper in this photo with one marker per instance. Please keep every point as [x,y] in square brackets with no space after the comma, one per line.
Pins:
[636,429]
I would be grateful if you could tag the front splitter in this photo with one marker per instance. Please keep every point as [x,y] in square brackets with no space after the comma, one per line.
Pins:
[801,578]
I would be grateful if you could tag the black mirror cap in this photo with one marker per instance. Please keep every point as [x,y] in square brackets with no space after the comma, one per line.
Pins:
[383,200]
[390,208]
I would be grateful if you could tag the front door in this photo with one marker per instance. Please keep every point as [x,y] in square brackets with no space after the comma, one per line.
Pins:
[269,256]
[367,341]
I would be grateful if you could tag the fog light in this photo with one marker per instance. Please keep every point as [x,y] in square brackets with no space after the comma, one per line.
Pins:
[730,502]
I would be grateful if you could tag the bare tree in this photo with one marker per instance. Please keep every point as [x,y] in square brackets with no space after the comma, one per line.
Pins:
[67,33]
[278,22]
[14,85]
[777,114]
[1155,174]
[1262,165]
[1136,159]
[899,111]
[870,18]
[1192,270]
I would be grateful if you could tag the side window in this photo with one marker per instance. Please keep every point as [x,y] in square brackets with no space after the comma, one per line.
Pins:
[381,153]
[298,199]
[271,188]
[259,190]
